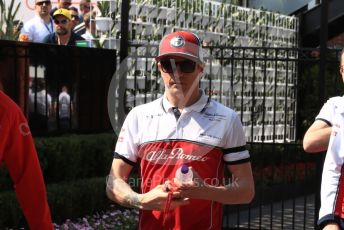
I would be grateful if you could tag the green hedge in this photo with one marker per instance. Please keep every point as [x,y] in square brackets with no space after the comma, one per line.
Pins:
[11,215]
[74,157]
[74,168]
[71,157]
[67,200]
[78,198]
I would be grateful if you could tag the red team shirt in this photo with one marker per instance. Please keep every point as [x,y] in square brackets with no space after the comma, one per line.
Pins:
[18,152]
[207,136]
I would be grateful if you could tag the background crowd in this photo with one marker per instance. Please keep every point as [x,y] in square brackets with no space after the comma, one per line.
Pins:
[63,24]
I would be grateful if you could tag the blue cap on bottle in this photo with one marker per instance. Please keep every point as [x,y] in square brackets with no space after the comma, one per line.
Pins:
[184,169]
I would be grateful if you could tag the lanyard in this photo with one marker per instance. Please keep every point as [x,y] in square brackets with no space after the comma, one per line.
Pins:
[167,209]
[51,26]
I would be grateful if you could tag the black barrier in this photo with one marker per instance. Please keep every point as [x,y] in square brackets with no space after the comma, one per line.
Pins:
[60,88]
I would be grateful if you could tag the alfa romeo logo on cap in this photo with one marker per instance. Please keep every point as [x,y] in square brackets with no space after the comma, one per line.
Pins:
[177,42]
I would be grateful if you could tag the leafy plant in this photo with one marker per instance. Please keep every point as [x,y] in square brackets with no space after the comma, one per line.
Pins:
[8,29]
[140,7]
[104,8]
[99,42]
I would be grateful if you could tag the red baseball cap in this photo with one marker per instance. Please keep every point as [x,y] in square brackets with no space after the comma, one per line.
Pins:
[180,44]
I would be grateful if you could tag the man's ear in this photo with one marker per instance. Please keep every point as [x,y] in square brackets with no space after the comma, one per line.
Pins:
[201,66]
[159,65]
[202,69]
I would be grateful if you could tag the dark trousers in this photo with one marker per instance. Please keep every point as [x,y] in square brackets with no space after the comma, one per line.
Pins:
[65,123]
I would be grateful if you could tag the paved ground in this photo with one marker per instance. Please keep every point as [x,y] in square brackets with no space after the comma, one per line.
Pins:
[277,216]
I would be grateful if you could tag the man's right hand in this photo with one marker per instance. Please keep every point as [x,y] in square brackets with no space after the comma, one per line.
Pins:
[156,198]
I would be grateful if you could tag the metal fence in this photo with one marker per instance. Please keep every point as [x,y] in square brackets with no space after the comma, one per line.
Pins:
[274,90]
[259,83]
[287,187]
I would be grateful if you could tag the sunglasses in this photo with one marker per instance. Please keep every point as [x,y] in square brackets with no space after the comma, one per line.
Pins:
[41,3]
[75,17]
[63,21]
[168,66]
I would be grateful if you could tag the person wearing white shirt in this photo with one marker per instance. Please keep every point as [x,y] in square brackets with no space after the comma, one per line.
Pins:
[36,29]
[40,106]
[90,26]
[327,134]
[183,127]
[64,109]
[43,100]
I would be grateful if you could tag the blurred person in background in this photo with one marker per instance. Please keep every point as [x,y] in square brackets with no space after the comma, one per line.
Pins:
[37,28]
[65,108]
[17,27]
[75,16]
[61,4]
[63,27]
[90,26]
[40,106]
[85,7]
